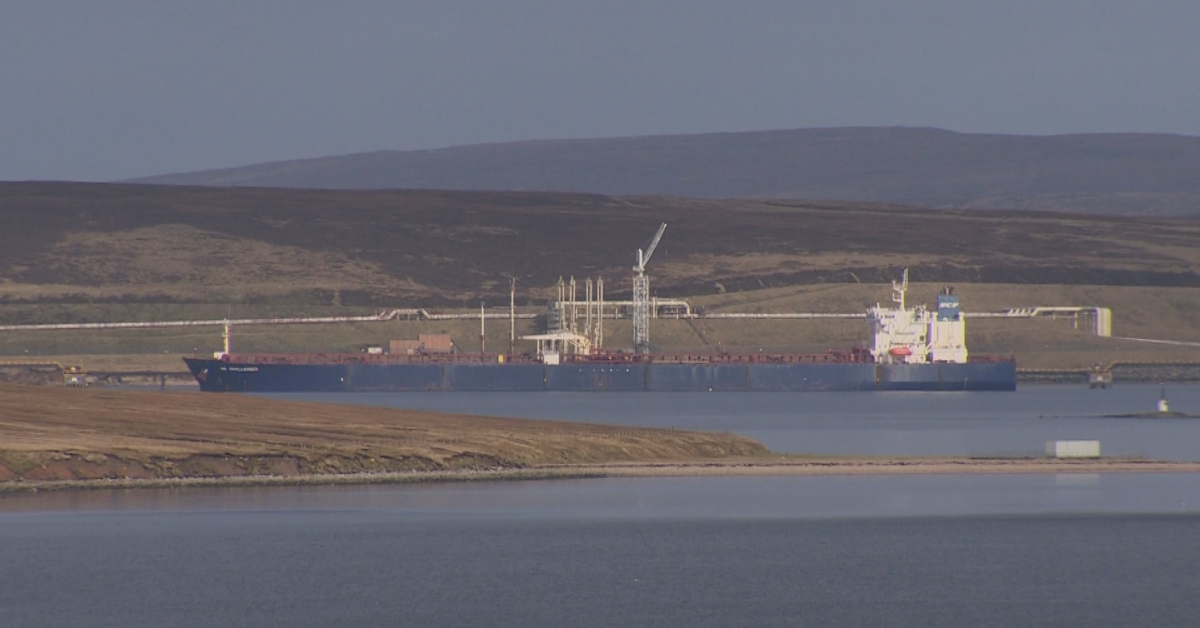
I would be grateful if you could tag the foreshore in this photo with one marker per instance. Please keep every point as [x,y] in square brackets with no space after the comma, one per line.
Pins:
[780,466]
[58,437]
[67,439]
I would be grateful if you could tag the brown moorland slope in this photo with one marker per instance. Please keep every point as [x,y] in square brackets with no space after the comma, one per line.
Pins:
[66,434]
[1126,173]
[75,242]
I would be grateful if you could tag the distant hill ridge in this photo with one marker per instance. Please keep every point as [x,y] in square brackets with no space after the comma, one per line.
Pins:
[1121,173]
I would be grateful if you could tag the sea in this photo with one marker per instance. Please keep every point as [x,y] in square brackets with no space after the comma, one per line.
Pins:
[938,550]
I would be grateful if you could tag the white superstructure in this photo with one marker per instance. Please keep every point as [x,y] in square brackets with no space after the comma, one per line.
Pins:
[918,336]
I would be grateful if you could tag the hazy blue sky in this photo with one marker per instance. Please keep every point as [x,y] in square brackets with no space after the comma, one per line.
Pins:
[98,90]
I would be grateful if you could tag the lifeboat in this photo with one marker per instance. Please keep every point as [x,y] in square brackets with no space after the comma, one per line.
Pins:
[900,352]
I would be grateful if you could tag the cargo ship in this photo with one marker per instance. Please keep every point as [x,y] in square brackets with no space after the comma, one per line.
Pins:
[912,349]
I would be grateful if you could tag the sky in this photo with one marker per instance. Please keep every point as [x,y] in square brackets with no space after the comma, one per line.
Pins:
[103,89]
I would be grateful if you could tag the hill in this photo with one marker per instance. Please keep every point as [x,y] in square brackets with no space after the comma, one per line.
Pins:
[71,242]
[142,243]
[1140,174]
[73,252]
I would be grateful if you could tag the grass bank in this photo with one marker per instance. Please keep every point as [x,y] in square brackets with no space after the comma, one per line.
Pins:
[50,434]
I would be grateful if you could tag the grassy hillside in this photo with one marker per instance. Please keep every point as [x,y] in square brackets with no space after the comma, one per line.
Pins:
[55,434]
[1099,173]
[98,252]
[101,243]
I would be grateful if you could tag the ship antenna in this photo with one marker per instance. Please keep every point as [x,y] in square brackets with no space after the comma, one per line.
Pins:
[899,289]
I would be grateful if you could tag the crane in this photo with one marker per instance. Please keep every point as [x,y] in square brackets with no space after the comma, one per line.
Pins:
[641,295]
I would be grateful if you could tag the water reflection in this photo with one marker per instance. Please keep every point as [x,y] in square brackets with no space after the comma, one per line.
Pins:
[795,497]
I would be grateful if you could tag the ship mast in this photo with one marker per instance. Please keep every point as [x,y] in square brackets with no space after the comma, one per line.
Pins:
[899,290]
[512,315]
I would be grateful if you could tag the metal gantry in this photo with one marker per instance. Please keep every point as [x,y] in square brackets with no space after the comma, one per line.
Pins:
[641,295]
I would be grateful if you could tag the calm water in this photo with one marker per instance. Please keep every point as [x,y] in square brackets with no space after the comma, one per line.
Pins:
[1114,550]
[986,550]
[887,423]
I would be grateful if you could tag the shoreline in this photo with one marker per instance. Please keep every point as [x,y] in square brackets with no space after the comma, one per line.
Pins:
[842,466]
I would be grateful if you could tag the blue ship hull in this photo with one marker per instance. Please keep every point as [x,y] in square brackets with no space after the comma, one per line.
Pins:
[230,376]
